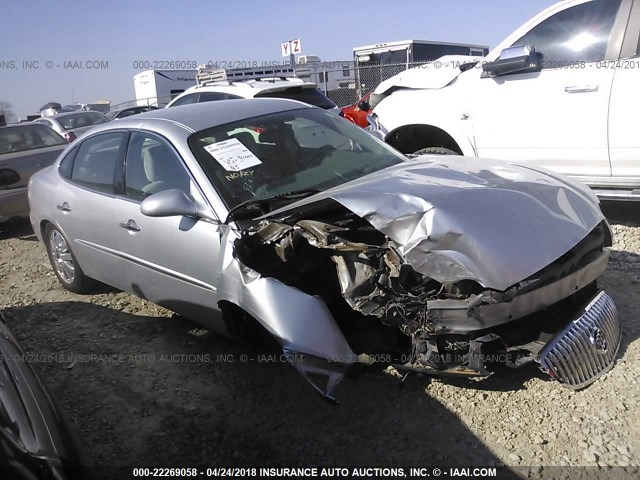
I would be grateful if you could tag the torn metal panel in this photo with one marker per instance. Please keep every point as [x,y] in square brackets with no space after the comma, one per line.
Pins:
[466,255]
[432,75]
[298,321]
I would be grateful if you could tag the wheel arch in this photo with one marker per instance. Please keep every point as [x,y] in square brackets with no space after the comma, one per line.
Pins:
[413,137]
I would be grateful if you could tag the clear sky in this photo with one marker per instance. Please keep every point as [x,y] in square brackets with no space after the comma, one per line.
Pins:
[121,32]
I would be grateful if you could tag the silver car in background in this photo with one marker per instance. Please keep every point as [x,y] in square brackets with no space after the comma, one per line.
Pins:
[72,124]
[25,148]
[345,251]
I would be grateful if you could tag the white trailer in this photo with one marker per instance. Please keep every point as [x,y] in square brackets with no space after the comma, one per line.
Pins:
[159,87]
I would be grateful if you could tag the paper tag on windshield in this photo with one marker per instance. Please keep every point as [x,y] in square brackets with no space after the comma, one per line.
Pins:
[232,155]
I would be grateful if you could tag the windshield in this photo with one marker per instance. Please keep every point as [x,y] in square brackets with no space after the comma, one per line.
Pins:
[85,119]
[270,155]
[309,95]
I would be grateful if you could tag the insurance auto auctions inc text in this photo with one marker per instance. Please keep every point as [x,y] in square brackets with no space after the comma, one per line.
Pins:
[360,472]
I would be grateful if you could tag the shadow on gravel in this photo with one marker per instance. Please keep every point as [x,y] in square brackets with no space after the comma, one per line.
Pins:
[625,213]
[160,391]
[17,228]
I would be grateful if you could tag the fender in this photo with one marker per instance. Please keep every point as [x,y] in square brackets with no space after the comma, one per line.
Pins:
[440,108]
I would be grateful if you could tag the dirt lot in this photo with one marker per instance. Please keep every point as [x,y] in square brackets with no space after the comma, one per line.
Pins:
[145,388]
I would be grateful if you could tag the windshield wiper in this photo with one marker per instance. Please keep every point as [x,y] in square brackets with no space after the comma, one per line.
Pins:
[260,203]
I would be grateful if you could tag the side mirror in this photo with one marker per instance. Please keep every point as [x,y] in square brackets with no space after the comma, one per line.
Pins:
[169,203]
[519,59]
[364,105]
[375,99]
[8,177]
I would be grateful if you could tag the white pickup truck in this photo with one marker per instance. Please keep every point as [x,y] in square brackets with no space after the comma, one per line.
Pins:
[561,92]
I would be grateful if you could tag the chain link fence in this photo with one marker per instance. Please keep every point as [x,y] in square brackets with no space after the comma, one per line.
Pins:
[345,85]
[151,101]
[346,89]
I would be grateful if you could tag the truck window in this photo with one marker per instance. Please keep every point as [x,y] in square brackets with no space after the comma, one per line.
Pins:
[312,96]
[576,34]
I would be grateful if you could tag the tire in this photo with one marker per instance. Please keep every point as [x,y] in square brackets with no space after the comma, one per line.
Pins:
[435,151]
[64,262]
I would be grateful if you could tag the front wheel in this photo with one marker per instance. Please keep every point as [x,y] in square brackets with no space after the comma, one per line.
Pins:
[64,263]
[435,151]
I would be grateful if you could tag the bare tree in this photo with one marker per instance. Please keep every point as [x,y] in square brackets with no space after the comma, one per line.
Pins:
[5,109]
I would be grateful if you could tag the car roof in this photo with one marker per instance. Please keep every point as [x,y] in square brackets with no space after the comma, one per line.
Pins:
[199,116]
[124,109]
[68,114]
[21,124]
[250,87]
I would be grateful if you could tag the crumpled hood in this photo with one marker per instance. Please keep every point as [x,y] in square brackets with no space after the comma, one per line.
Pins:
[457,218]
[433,75]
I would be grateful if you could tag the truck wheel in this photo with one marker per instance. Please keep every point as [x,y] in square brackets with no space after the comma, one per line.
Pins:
[64,263]
[435,151]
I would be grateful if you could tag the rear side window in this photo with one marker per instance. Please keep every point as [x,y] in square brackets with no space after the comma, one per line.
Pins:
[312,96]
[96,161]
[28,137]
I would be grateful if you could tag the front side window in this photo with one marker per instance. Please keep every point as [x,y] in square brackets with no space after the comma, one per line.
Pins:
[96,161]
[152,167]
[28,137]
[576,34]
[303,149]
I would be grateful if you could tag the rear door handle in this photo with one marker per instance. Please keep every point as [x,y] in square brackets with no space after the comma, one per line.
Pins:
[131,225]
[64,207]
[581,88]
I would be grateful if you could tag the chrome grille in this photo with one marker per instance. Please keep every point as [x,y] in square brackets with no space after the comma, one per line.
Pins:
[587,347]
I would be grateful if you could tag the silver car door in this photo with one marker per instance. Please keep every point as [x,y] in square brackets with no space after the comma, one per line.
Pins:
[85,207]
[173,261]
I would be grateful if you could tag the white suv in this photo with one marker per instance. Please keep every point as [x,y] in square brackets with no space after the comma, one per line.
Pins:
[561,92]
[290,88]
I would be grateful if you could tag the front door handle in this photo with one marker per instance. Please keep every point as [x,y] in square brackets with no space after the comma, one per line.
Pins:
[64,207]
[581,88]
[131,225]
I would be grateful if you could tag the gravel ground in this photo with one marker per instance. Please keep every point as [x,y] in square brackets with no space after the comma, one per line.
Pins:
[179,395]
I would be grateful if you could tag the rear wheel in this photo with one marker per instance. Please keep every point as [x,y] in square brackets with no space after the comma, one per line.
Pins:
[435,151]
[64,263]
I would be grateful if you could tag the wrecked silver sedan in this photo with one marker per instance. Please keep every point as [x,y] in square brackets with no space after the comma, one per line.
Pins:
[344,250]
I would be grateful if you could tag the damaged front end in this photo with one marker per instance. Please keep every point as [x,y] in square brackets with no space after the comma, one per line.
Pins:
[372,272]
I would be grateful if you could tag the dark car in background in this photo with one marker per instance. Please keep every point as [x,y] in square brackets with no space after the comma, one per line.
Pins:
[24,149]
[35,439]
